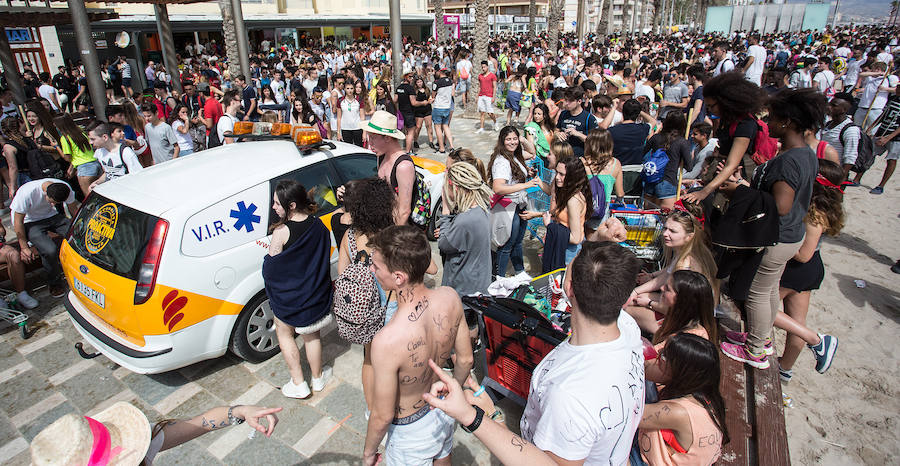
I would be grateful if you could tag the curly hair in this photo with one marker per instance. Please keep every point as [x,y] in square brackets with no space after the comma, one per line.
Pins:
[825,207]
[805,108]
[735,96]
[370,203]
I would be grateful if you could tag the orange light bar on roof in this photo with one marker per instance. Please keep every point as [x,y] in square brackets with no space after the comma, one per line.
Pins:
[305,135]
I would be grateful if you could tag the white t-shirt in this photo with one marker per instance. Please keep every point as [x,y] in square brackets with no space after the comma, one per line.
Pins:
[46,91]
[31,200]
[585,402]
[119,162]
[184,139]
[754,73]
[225,124]
[871,96]
[724,66]
[842,52]
[466,65]
[278,91]
[641,89]
[823,80]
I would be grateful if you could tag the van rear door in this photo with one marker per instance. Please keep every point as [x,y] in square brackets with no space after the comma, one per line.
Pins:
[109,241]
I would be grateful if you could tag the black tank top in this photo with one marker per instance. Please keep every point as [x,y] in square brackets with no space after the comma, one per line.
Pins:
[297,229]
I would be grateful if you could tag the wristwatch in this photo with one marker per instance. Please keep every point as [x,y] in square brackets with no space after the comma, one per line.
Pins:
[232,420]
[479,416]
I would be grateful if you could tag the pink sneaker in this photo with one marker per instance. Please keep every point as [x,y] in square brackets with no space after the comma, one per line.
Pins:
[740,353]
[740,338]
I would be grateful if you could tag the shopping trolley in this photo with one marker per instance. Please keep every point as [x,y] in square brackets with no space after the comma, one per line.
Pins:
[10,313]
[538,200]
[644,224]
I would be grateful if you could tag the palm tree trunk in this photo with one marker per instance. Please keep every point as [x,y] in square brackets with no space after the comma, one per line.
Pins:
[601,21]
[609,19]
[532,12]
[482,8]
[642,21]
[556,9]
[439,21]
[231,48]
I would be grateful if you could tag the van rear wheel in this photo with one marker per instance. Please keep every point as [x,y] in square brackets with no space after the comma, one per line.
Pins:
[432,221]
[253,338]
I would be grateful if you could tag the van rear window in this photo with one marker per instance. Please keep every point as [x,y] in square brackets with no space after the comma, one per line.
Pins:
[112,235]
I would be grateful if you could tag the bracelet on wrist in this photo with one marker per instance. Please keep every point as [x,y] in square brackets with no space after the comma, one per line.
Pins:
[232,419]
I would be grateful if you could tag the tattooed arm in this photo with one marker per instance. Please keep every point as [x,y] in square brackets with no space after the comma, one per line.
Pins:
[182,431]
[448,396]
[463,344]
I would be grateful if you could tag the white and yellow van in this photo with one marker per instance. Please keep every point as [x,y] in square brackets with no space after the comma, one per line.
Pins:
[165,265]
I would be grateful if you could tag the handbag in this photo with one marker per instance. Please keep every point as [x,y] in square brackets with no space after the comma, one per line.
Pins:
[502,217]
[322,131]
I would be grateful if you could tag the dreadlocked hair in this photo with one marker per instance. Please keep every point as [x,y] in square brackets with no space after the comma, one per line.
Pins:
[468,188]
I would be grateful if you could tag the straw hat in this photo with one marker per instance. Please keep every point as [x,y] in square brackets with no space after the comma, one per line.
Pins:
[383,123]
[615,80]
[615,56]
[120,433]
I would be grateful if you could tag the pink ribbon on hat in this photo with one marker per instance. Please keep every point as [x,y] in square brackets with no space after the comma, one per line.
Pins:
[101,450]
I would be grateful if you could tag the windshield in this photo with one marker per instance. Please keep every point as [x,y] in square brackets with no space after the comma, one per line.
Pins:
[112,235]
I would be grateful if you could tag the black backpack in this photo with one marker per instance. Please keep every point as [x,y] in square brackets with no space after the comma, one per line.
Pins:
[865,152]
[42,165]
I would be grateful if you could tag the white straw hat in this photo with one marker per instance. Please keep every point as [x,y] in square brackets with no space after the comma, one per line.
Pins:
[383,123]
[120,433]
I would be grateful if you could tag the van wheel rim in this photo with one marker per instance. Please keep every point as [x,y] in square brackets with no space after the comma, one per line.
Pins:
[261,328]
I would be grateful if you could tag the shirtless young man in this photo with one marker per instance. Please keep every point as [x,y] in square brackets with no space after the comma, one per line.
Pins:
[429,324]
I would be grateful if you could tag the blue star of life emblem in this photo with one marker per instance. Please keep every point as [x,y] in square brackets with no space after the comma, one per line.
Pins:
[245,216]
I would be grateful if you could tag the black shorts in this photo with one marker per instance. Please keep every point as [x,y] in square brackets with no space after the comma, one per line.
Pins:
[800,276]
[409,119]
[422,112]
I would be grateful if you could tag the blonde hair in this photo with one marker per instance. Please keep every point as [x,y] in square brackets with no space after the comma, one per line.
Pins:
[696,249]
[270,116]
[468,188]
[465,155]
[561,150]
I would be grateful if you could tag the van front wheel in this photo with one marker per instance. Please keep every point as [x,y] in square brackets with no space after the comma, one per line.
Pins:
[253,337]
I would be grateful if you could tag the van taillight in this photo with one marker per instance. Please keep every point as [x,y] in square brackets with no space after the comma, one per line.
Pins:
[150,263]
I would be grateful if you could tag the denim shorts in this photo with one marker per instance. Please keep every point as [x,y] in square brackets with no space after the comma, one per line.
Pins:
[89,169]
[462,86]
[440,116]
[661,190]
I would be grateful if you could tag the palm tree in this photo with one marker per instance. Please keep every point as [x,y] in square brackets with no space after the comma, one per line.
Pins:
[231,48]
[439,21]
[895,9]
[482,8]
[609,19]
[556,12]
[532,12]
[601,20]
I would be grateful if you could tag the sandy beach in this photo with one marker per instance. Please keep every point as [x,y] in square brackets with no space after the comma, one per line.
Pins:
[849,415]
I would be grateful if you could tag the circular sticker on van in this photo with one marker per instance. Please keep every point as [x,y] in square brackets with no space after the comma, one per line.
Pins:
[101,228]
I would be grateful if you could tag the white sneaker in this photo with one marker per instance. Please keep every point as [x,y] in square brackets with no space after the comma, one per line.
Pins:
[523,275]
[292,390]
[318,384]
[479,131]
[26,300]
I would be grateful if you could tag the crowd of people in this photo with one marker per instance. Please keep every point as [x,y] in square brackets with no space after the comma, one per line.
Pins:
[747,141]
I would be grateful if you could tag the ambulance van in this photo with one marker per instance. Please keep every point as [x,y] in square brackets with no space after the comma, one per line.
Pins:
[165,265]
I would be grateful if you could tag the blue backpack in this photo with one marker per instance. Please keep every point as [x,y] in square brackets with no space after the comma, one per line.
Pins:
[654,166]
[598,196]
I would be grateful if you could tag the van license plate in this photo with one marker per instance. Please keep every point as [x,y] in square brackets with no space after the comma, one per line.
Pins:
[97,297]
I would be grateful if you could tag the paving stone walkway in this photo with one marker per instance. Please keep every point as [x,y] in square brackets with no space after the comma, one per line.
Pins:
[43,378]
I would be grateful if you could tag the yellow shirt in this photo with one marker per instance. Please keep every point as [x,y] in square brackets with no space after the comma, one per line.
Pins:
[78,156]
